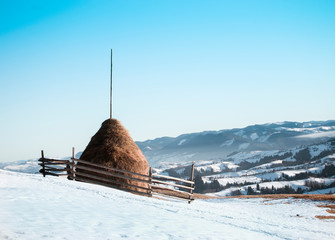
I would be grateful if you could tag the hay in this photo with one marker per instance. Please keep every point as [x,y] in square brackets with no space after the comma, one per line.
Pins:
[112,146]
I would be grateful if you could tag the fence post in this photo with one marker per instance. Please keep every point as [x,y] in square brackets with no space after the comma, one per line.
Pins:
[191,184]
[72,167]
[150,182]
[43,166]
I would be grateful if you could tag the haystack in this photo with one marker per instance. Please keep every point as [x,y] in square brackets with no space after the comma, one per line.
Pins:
[112,146]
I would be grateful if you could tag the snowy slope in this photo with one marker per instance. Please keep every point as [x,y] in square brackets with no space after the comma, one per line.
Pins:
[33,207]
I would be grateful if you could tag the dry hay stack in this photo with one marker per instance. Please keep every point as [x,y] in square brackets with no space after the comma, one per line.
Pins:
[112,146]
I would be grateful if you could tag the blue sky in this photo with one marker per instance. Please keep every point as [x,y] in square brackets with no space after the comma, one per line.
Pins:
[179,67]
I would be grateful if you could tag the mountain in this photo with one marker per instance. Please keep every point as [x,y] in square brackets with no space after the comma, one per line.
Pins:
[216,145]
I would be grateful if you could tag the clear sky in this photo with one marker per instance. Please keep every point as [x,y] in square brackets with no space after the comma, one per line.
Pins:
[179,67]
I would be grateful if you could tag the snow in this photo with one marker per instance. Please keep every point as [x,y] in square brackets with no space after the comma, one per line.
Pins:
[240,133]
[227,143]
[181,142]
[268,165]
[263,139]
[326,128]
[252,156]
[322,191]
[243,146]
[276,184]
[317,149]
[292,129]
[254,136]
[307,125]
[318,135]
[294,184]
[33,207]
[26,166]
[216,167]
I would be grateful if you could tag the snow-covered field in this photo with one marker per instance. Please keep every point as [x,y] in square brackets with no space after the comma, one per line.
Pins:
[33,207]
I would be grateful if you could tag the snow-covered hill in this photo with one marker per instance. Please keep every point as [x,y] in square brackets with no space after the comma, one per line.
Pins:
[297,170]
[215,145]
[33,207]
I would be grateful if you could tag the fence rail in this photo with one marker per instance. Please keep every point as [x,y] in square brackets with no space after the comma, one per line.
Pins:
[148,185]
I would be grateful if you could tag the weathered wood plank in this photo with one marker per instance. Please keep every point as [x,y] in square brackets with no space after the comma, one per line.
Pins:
[171,196]
[169,189]
[56,169]
[110,168]
[42,159]
[55,174]
[172,184]
[109,180]
[47,160]
[192,179]
[150,182]
[52,163]
[171,178]
[109,173]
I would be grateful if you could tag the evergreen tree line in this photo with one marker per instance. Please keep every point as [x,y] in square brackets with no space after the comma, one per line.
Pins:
[202,187]
[214,186]
[301,157]
[328,171]
[267,159]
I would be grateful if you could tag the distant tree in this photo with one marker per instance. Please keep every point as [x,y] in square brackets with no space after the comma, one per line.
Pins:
[299,190]
[284,176]
[314,185]
[236,193]
[257,187]
[199,184]
[215,186]
[173,173]
[266,190]
[328,171]
[250,191]
[303,156]
[187,171]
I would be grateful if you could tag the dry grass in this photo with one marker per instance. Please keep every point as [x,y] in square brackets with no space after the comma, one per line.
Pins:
[317,197]
[330,211]
[203,196]
[325,217]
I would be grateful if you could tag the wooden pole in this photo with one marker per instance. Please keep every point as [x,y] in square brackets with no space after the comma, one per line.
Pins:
[150,182]
[111,93]
[72,165]
[43,166]
[191,185]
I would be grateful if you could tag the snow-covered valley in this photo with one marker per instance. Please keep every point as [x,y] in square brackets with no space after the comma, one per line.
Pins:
[303,169]
[33,207]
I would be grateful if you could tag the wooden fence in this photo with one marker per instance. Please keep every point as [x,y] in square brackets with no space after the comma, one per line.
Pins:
[147,185]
